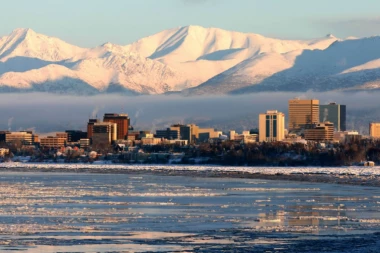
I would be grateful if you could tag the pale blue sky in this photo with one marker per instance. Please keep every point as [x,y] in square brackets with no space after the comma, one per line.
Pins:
[90,23]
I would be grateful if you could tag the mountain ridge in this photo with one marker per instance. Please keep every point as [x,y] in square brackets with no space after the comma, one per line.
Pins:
[191,60]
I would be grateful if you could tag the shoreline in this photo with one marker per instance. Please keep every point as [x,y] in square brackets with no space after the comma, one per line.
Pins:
[359,176]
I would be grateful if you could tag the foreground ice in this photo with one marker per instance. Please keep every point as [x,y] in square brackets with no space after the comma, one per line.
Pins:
[355,171]
[92,212]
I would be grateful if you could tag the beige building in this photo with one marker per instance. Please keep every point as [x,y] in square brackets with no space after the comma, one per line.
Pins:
[303,112]
[103,134]
[374,130]
[192,133]
[271,126]
[320,132]
[84,143]
[204,134]
[150,141]
[25,138]
[347,136]
[175,142]
[62,135]
[52,142]
[244,137]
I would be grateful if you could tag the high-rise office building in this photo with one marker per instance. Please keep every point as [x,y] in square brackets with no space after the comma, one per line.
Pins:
[122,121]
[333,113]
[374,130]
[303,113]
[103,134]
[271,126]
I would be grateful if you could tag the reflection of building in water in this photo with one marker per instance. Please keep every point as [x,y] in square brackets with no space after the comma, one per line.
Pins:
[315,215]
[301,218]
[277,218]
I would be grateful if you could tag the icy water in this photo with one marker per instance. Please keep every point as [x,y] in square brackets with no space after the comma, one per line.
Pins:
[50,212]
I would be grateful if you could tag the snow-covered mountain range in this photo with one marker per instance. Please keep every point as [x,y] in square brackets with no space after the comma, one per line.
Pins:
[190,60]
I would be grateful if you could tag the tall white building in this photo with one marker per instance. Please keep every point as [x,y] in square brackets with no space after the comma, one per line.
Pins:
[271,126]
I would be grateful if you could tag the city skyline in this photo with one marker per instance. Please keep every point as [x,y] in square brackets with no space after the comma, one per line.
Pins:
[160,112]
[91,23]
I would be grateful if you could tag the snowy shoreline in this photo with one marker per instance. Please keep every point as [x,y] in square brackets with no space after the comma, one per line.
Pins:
[368,176]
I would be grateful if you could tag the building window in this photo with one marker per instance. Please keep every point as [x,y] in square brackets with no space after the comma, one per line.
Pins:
[267,128]
[275,128]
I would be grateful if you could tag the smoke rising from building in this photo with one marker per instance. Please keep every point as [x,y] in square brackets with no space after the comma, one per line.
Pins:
[49,113]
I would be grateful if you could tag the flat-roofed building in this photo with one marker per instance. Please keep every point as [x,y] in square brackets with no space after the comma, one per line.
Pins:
[169,134]
[176,142]
[84,143]
[347,136]
[150,141]
[24,137]
[271,126]
[90,126]
[374,129]
[334,113]
[75,135]
[52,142]
[184,132]
[303,113]
[143,134]
[192,133]
[204,134]
[62,135]
[320,132]
[104,133]
[122,121]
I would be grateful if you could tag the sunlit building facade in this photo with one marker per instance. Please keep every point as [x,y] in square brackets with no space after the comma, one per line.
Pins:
[271,126]
[303,113]
[374,130]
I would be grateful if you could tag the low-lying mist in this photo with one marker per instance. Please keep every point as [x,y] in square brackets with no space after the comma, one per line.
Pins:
[46,113]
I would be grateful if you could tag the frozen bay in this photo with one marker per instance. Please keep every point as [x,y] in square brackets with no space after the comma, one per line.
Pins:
[86,212]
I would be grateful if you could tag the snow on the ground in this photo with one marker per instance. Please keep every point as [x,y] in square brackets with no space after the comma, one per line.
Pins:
[354,171]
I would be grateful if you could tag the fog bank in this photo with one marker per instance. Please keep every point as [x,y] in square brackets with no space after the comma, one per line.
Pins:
[47,112]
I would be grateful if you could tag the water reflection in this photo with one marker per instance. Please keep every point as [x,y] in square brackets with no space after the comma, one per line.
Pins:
[45,212]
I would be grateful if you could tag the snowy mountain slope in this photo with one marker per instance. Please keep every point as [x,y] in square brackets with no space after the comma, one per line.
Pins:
[129,73]
[343,65]
[27,43]
[191,59]
[250,71]
[190,43]
[28,60]
[205,51]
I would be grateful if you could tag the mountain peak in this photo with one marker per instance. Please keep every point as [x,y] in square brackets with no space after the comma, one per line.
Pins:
[22,32]
[330,36]
[192,27]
